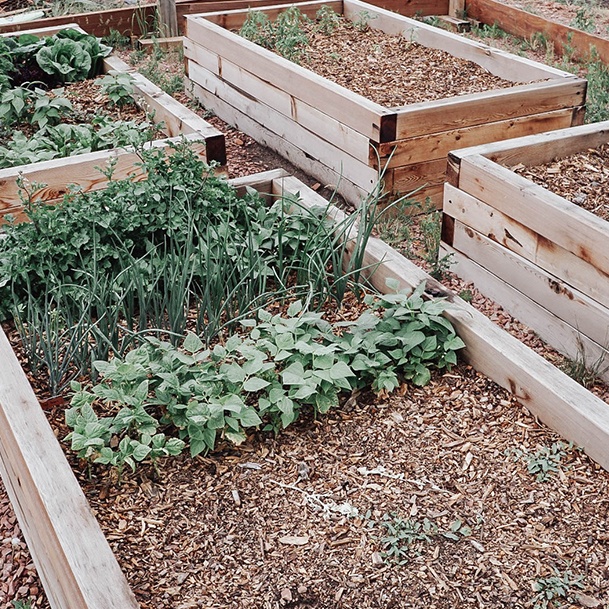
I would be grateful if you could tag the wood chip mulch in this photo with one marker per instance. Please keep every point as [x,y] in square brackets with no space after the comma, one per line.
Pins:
[581,178]
[296,521]
[391,70]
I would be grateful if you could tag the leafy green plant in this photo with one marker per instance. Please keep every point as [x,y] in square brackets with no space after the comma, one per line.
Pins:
[15,105]
[22,604]
[408,340]
[49,108]
[118,87]
[327,20]
[551,591]
[284,36]
[362,21]
[283,365]
[545,461]
[66,59]
[401,535]
[583,20]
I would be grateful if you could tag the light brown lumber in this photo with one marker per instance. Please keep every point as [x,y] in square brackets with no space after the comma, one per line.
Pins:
[541,148]
[456,8]
[544,212]
[407,178]
[168,44]
[437,145]
[83,170]
[582,45]
[547,290]
[285,148]
[177,118]
[261,182]
[490,106]
[285,128]
[498,62]
[357,112]
[525,242]
[135,21]
[549,394]
[324,126]
[168,18]
[550,328]
[234,19]
[73,559]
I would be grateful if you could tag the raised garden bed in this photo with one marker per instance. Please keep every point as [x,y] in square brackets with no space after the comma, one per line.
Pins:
[82,171]
[345,139]
[539,255]
[72,556]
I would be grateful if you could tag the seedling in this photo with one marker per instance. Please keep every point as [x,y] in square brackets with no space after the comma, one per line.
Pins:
[552,591]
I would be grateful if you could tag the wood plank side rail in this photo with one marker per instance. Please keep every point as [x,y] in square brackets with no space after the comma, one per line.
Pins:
[75,563]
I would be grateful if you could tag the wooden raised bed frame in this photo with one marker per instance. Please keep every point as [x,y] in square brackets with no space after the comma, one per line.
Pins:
[345,139]
[74,560]
[543,258]
[58,174]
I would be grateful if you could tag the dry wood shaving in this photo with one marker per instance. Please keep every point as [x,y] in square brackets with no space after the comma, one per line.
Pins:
[580,178]
[391,70]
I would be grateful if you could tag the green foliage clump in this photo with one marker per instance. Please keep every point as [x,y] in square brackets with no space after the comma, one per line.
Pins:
[285,36]
[67,56]
[265,378]
[93,274]
[118,87]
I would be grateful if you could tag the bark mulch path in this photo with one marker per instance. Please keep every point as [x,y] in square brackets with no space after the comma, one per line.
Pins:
[581,178]
[395,71]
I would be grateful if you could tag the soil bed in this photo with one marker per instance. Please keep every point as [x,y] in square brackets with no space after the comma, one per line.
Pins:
[391,70]
[581,178]
[260,526]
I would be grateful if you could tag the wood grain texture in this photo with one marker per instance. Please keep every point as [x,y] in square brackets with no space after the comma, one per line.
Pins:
[551,216]
[72,557]
[527,25]
[566,339]
[523,241]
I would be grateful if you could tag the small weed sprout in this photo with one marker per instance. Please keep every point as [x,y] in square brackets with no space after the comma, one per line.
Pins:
[580,369]
[545,461]
[327,20]
[402,534]
[362,23]
[583,20]
[556,588]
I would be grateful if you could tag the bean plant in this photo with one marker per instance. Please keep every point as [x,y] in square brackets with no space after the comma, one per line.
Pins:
[264,378]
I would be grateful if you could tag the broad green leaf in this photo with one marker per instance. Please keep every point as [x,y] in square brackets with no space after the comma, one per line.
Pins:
[255,384]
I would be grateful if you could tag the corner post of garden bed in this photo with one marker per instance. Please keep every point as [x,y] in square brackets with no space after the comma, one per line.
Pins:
[73,559]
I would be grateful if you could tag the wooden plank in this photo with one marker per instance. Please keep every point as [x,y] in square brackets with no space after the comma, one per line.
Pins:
[408,178]
[83,169]
[438,145]
[73,559]
[528,25]
[41,32]
[479,108]
[168,18]
[549,291]
[553,397]
[541,148]
[349,108]
[550,328]
[352,193]
[178,119]
[285,128]
[133,20]
[544,212]
[456,8]
[234,19]
[263,91]
[498,62]
[525,242]
[167,44]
